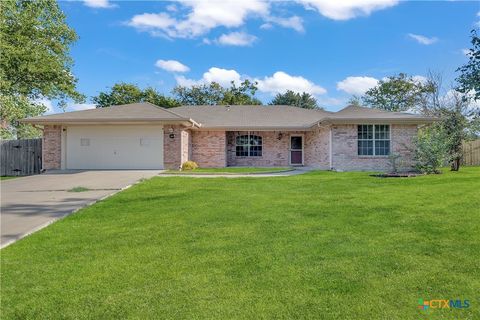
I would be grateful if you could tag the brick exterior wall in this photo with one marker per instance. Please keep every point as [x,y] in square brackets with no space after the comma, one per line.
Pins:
[52,147]
[276,152]
[209,148]
[317,148]
[176,150]
[345,149]
[217,148]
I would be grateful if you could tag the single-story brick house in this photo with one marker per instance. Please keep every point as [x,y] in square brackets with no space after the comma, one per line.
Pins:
[145,136]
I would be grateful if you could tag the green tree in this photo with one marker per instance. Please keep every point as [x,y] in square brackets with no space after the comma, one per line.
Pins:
[124,93]
[290,98]
[397,93]
[214,94]
[469,79]
[35,62]
[196,95]
[430,149]
[241,95]
[355,101]
[455,124]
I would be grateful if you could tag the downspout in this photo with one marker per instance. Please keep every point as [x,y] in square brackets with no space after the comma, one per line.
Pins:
[330,147]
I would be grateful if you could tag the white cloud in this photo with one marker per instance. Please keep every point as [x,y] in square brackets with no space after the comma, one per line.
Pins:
[186,82]
[294,22]
[102,4]
[451,96]
[423,39]
[280,82]
[347,9]
[171,66]
[203,17]
[236,39]
[152,22]
[172,8]
[356,85]
[419,79]
[224,77]
[266,26]
[47,103]
[80,106]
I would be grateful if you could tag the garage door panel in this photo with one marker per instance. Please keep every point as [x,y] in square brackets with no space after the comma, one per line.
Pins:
[116,147]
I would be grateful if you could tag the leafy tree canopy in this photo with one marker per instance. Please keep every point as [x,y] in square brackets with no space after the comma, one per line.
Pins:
[301,100]
[214,94]
[35,61]
[398,93]
[469,79]
[124,93]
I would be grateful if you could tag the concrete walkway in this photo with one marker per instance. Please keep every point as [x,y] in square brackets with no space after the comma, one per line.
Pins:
[296,171]
[31,203]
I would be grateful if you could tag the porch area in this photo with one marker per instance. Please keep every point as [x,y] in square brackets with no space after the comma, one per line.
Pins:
[276,148]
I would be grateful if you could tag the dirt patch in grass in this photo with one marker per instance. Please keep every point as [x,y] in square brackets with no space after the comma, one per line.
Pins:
[78,189]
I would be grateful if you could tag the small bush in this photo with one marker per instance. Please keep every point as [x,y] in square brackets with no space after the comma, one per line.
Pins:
[430,150]
[392,160]
[189,165]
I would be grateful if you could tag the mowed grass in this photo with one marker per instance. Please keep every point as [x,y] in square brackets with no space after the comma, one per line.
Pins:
[7,177]
[232,170]
[322,245]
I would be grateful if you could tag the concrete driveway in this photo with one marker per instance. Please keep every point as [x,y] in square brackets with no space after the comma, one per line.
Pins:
[31,203]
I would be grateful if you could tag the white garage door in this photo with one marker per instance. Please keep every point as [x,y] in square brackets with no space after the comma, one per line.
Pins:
[114,147]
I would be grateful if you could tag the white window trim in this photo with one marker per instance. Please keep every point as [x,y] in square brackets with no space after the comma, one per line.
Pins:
[248,145]
[389,139]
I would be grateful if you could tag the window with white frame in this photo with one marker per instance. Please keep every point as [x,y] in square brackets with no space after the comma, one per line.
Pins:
[373,140]
[248,145]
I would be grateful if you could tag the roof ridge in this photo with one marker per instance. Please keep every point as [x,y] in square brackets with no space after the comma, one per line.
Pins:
[165,109]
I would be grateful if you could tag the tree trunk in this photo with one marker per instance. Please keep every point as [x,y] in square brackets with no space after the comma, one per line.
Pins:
[455,166]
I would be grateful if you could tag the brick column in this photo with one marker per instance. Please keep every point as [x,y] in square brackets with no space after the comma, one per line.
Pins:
[52,147]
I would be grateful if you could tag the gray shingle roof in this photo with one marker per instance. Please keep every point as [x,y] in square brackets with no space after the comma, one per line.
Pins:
[126,112]
[229,117]
[245,117]
[355,113]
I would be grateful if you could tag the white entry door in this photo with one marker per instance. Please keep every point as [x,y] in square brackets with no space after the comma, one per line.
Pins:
[114,147]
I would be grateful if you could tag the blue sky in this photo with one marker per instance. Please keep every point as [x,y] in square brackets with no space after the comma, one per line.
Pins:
[332,49]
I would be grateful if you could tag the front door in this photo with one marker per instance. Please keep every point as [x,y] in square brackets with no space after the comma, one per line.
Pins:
[296,150]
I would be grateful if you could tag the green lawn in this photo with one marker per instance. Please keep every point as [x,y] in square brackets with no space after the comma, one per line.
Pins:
[7,177]
[321,245]
[231,170]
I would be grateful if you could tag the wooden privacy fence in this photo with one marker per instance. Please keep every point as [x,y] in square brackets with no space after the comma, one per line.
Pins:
[20,157]
[471,153]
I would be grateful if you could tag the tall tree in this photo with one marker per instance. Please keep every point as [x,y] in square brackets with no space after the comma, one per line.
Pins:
[457,119]
[469,79]
[290,98]
[214,94]
[35,62]
[397,93]
[124,93]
